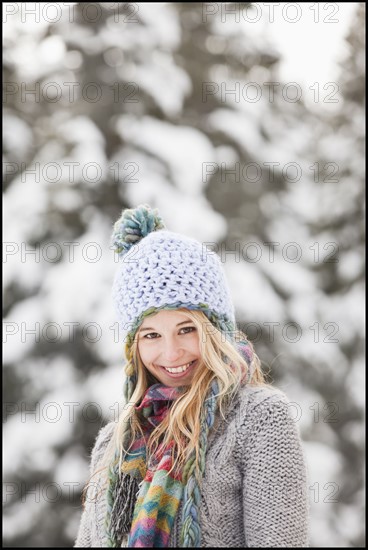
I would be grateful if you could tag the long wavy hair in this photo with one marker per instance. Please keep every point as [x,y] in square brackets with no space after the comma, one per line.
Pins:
[219,360]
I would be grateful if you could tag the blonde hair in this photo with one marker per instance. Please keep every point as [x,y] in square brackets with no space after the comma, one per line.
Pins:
[219,360]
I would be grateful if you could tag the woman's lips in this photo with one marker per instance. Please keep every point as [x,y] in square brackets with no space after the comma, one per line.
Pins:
[180,374]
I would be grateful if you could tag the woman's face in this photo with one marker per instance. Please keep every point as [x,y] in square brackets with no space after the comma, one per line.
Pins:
[168,345]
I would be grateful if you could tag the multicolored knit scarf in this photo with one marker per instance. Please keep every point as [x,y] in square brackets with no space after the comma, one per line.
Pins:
[145,499]
[160,494]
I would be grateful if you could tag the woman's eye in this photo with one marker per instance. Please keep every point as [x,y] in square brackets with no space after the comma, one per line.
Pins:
[151,335]
[188,329]
[154,335]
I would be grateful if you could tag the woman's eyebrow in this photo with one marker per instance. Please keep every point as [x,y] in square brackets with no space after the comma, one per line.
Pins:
[178,325]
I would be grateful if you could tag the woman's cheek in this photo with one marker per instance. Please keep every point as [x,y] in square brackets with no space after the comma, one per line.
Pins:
[146,351]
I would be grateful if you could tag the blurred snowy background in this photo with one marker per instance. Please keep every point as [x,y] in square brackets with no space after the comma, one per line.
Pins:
[245,127]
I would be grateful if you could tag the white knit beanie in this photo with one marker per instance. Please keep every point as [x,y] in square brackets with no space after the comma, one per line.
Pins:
[160,269]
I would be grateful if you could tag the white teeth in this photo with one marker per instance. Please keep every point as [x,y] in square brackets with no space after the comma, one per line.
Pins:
[183,368]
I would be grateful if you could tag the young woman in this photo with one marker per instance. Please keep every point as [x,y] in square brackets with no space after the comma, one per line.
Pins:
[204,452]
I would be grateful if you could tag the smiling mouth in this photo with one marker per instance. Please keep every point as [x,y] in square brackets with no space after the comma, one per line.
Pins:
[181,369]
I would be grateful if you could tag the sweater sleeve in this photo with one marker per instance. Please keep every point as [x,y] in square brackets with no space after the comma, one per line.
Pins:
[84,536]
[84,539]
[275,499]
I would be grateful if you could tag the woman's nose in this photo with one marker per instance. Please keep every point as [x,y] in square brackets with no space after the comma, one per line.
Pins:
[172,350]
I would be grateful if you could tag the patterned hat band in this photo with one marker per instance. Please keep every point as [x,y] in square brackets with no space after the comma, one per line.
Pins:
[221,323]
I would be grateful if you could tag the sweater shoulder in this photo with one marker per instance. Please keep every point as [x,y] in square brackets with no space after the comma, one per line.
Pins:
[253,399]
[266,412]
[257,405]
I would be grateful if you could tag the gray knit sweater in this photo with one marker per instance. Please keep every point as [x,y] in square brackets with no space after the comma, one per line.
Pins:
[254,491]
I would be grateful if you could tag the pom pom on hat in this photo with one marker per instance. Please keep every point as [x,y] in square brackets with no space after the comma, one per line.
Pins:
[133,225]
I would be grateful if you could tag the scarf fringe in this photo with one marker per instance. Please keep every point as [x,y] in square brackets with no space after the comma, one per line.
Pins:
[125,499]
